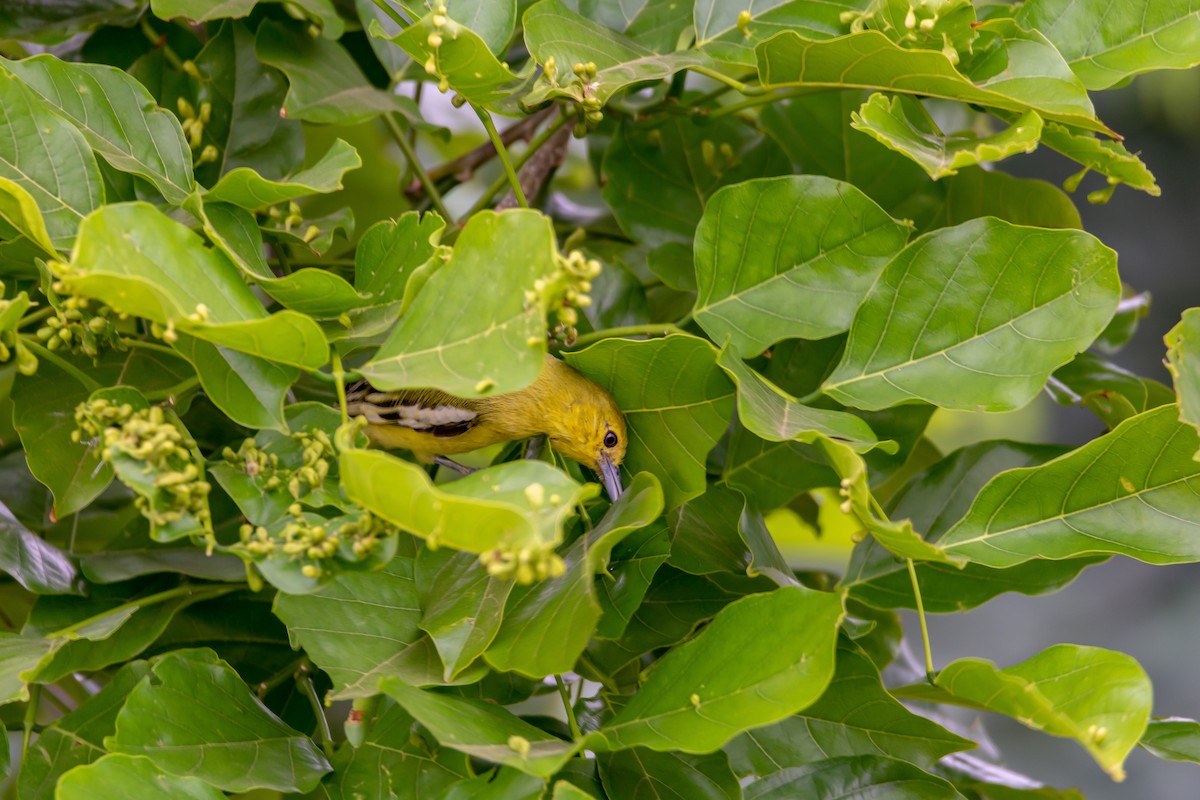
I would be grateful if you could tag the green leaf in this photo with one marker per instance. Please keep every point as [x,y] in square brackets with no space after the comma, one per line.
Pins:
[393,760]
[1097,697]
[546,626]
[893,181]
[483,730]
[853,776]
[1130,491]
[660,25]
[395,258]
[487,510]
[1173,739]
[763,278]
[117,116]
[246,188]
[484,346]
[719,531]
[493,22]
[1110,159]
[135,628]
[1009,305]
[933,501]
[77,737]
[38,566]
[20,210]
[733,676]
[325,85]
[463,59]
[139,261]
[461,604]
[632,566]
[1183,360]
[1110,392]
[723,32]
[552,30]
[643,774]
[250,390]
[772,414]
[938,154]
[356,627]
[44,417]
[854,717]
[49,158]
[1033,73]
[20,659]
[503,783]
[976,192]
[201,10]
[657,189]
[675,413]
[115,777]
[196,718]
[52,23]
[1132,40]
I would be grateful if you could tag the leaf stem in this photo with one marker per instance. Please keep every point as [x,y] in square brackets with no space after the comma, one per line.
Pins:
[732,83]
[569,706]
[397,18]
[930,673]
[339,380]
[36,316]
[304,681]
[154,347]
[199,592]
[88,382]
[35,697]
[758,100]
[280,677]
[187,384]
[502,151]
[653,329]
[159,40]
[485,199]
[410,154]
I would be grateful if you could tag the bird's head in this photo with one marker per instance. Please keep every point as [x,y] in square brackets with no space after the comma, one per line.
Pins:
[591,430]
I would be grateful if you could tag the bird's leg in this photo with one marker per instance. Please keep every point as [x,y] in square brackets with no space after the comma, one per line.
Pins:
[533,449]
[450,463]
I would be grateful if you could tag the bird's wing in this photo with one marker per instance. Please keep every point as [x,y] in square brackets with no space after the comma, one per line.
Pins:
[423,410]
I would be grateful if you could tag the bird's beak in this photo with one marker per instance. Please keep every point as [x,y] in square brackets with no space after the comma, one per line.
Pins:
[610,476]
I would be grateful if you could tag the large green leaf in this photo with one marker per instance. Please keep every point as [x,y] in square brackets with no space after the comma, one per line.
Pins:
[657,24]
[676,410]
[934,500]
[1131,491]
[853,776]
[246,188]
[48,157]
[196,718]
[471,331]
[546,626]
[357,627]
[1134,38]
[940,155]
[643,774]
[1183,360]
[552,30]
[141,262]
[483,730]
[37,565]
[77,737]
[117,116]
[772,414]
[117,776]
[1097,697]
[250,390]
[1033,77]
[325,85]
[462,58]
[657,188]
[392,759]
[763,276]
[735,675]
[723,31]
[461,604]
[51,23]
[976,316]
[855,716]
[976,192]
[487,510]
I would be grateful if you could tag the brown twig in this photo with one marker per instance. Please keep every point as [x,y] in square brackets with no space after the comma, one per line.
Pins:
[540,166]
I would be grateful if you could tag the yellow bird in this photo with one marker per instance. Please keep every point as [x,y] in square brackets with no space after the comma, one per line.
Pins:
[579,417]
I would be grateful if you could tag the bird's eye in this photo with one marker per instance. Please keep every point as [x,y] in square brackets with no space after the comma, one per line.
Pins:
[610,439]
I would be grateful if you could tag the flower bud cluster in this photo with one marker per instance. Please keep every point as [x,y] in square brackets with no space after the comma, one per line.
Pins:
[917,29]
[434,40]
[79,327]
[316,456]
[10,342]
[565,291]
[525,566]
[146,435]
[316,542]
[292,217]
[194,122]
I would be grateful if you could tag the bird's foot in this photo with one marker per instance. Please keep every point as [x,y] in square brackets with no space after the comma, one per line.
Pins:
[450,463]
